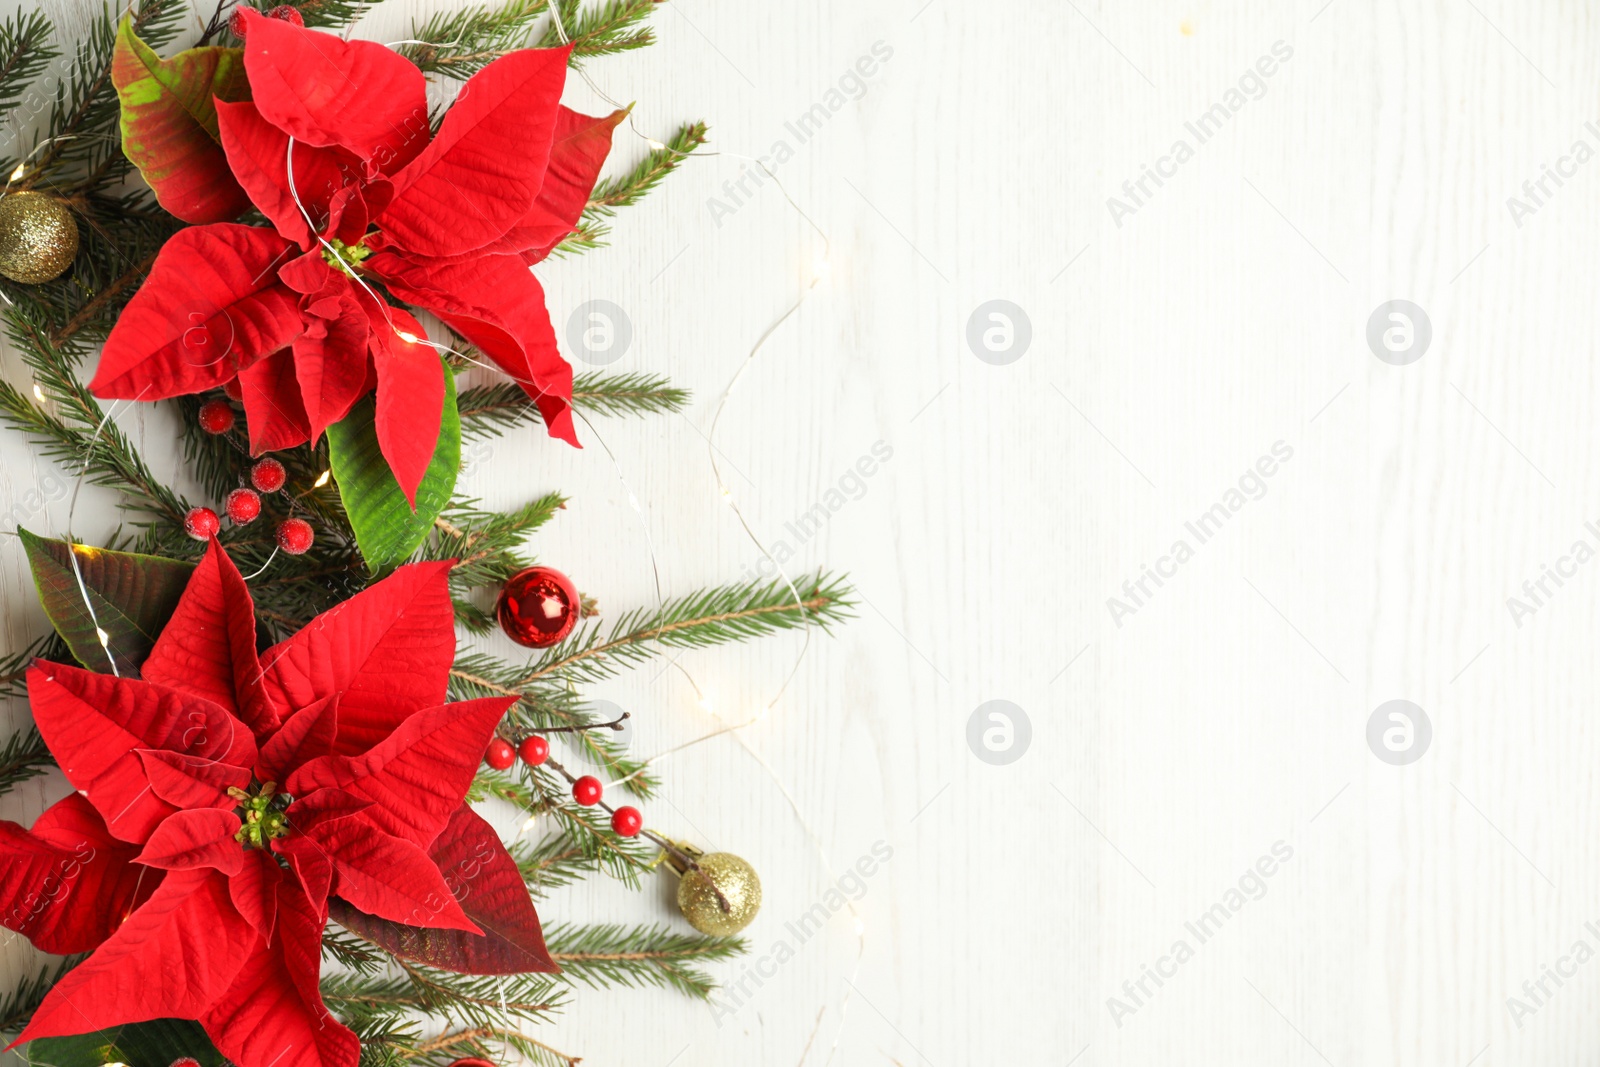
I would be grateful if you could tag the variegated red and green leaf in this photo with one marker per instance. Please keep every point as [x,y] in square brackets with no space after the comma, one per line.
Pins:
[169,124]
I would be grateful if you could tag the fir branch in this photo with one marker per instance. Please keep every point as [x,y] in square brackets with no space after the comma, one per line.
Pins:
[491,410]
[608,955]
[18,1006]
[25,51]
[486,546]
[355,953]
[552,863]
[472,1042]
[702,620]
[460,43]
[606,29]
[80,431]
[14,668]
[463,999]
[22,757]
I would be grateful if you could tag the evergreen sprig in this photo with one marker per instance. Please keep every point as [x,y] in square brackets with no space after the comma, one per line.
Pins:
[18,1006]
[711,617]
[610,955]
[22,757]
[25,51]
[490,410]
[602,30]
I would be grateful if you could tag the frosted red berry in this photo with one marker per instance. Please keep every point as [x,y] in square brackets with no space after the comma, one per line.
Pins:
[268,475]
[627,822]
[216,416]
[184,1061]
[234,390]
[243,506]
[236,22]
[287,14]
[534,750]
[201,524]
[500,754]
[586,790]
[295,536]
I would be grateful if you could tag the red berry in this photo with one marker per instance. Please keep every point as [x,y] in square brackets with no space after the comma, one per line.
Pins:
[216,416]
[243,506]
[287,14]
[236,22]
[627,822]
[184,1061]
[500,754]
[294,536]
[534,750]
[201,524]
[586,790]
[268,475]
[234,390]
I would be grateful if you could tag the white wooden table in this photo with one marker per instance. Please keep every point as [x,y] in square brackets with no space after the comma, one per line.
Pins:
[1172,346]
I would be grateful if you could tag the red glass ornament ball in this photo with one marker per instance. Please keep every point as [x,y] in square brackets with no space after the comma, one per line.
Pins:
[243,506]
[472,1061]
[268,475]
[534,750]
[294,536]
[216,416]
[500,754]
[538,607]
[586,790]
[627,822]
[201,524]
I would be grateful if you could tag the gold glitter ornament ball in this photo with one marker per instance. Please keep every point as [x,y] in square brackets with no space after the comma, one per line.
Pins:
[38,237]
[740,887]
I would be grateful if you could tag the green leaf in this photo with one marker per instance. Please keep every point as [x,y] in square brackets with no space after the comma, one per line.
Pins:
[149,1044]
[169,124]
[132,595]
[387,530]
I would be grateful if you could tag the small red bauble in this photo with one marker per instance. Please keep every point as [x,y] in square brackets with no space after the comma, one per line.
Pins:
[627,822]
[500,754]
[201,524]
[534,750]
[294,536]
[234,390]
[268,475]
[243,506]
[216,416]
[586,790]
[538,607]
[287,14]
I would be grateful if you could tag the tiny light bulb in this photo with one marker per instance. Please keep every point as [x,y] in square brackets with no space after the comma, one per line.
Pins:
[105,638]
[38,394]
[322,479]
[408,338]
[655,145]
[529,824]
[16,175]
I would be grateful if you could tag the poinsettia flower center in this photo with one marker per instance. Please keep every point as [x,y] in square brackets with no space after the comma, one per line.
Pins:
[262,813]
[342,257]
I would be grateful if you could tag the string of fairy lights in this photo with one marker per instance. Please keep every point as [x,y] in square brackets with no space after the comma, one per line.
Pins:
[820,270]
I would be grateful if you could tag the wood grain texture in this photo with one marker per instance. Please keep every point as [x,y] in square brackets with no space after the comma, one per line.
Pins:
[1168,354]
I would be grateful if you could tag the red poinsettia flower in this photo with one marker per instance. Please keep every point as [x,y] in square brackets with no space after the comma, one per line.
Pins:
[335,151]
[224,800]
